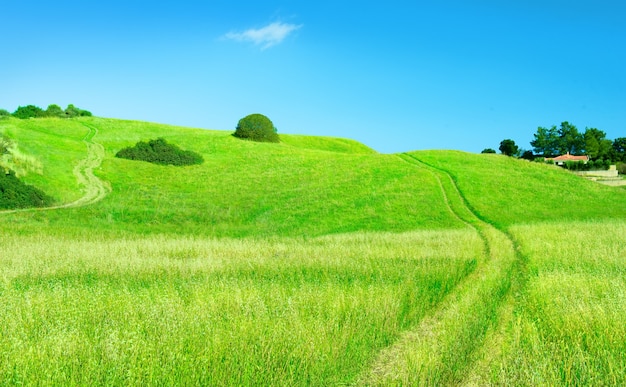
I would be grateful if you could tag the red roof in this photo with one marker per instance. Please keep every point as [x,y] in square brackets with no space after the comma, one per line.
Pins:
[568,157]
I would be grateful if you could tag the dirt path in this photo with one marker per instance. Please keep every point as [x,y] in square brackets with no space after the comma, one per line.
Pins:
[447,346]
[93,188]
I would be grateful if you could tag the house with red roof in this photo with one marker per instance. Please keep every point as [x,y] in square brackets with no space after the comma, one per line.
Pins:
[560,160]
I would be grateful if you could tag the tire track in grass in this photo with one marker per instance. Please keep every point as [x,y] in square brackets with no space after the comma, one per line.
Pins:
[444,348]
[93,188]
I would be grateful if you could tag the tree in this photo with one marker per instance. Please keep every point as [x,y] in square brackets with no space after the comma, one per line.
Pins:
[546,142]
[4,114]
[256,127]
[527,155]
[619,149]
[508,147]
[596,144]
[29,111]
[54,111]
[72,111]
[570,139]
[488,150]
[557,141]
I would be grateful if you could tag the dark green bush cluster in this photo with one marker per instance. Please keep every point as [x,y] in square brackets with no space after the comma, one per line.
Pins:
[32,111]
[621,168]
[15,194]
[256,127]
[598,165]
[160,152]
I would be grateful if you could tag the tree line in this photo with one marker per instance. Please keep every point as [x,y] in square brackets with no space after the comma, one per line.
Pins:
[32,111]
[566,138]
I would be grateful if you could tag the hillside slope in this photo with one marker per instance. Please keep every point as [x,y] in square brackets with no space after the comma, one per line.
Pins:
[304,186]
[507,191]
[131,286]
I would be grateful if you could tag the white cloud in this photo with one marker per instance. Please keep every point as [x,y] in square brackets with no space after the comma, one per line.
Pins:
[266,37]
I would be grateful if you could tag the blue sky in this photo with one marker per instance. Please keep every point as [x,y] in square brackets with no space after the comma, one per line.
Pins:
[395,75]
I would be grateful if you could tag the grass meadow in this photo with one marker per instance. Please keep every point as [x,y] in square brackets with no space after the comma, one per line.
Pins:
[316,261]
[176,310]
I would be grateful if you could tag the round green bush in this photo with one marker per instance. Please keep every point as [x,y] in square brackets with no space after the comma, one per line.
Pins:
[256,127]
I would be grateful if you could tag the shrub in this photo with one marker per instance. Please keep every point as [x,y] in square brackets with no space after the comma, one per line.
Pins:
[256,127]
[32,111]
[488,150]
[54,111]
[4,114]
[15,194]
[621,168]
[72,111]
[29,111]
[160,152]
[528,155]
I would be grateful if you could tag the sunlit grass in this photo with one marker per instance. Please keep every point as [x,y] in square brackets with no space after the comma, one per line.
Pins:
[245,188]
[508,191]
[56,146]
[568,326]
[305,263]
[186,310]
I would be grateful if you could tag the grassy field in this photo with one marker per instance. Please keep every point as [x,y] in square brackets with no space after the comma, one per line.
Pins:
[316,261]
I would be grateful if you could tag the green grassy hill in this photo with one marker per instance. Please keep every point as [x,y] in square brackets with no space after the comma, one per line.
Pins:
[304,186]
[316,261]
[509,191]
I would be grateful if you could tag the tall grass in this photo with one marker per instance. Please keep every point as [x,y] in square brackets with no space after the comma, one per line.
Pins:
[569,326]
[163,310]
[311,262]
[443,347]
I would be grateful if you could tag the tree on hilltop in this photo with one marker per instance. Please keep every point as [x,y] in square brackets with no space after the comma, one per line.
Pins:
[54,111]
[28,111]
[32,111]
[256,127]
[508,147]
[73,111]
[553,141]
[596,144]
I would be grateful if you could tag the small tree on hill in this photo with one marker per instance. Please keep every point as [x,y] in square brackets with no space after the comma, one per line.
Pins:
[73,111]
[29,111]
[54,111]
[256,127]
[488,150]
[508,147]
[528,155]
